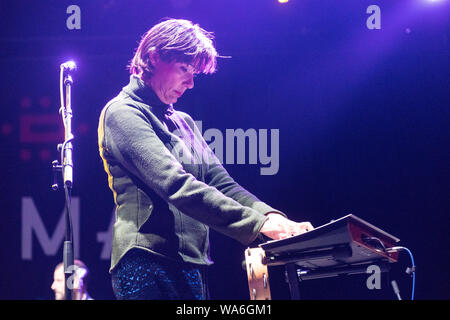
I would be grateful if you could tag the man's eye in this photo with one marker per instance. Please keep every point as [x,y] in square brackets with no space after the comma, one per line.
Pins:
[184,69]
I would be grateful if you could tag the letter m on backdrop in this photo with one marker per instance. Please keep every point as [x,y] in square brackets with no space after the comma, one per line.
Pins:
[32,223]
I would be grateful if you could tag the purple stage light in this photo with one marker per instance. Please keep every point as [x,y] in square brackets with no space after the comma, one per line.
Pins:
[432,2]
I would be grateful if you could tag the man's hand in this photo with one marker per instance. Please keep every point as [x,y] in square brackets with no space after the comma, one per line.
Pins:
[278,227]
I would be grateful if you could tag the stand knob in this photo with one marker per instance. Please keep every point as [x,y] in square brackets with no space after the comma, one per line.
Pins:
[56,167]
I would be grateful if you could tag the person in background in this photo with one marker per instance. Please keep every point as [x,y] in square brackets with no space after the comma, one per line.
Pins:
[80,281]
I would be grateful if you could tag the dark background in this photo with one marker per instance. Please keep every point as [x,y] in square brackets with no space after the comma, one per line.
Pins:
[363,118]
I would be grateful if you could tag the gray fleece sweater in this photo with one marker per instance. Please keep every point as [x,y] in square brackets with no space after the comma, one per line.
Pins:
[168,186]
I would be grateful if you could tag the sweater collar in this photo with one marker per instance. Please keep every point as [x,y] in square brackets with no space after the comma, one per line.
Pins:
[138,90]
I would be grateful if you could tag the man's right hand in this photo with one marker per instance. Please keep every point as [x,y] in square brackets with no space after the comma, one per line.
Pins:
[278,227]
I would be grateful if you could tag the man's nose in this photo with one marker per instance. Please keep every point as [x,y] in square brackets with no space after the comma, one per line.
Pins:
[189,82]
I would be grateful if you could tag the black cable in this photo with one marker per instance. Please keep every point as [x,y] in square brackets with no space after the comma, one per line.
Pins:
[367,239]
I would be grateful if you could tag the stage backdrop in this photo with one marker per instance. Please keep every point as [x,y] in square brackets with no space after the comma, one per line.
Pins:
[345,103]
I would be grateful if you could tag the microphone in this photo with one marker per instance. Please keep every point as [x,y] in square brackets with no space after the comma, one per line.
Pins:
[69,66]
[396,289]
[66,112]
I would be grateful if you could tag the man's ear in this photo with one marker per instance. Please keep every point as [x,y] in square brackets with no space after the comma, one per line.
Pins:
[153,56]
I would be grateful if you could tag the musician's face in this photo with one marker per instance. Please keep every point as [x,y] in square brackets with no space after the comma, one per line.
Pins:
[59,287]
[171,79]
[58,283]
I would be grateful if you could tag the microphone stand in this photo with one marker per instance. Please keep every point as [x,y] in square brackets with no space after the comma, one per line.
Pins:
[66,167]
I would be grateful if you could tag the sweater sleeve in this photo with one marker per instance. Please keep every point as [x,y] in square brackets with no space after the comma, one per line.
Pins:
[131,140]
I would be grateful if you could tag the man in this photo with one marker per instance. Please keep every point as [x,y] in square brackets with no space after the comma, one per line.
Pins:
[80,282]
[168,186]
